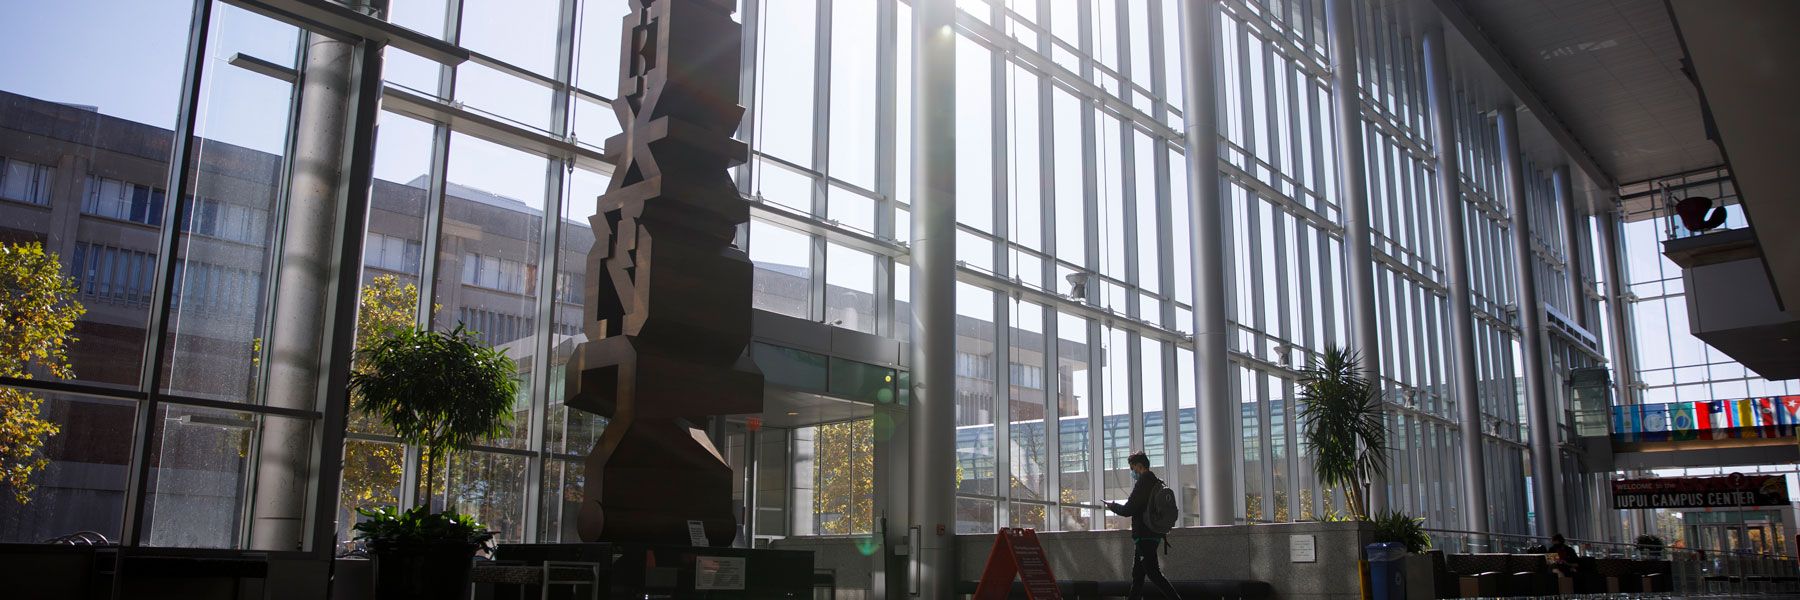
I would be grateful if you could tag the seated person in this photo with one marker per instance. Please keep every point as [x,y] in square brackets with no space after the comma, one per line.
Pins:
[1561,556]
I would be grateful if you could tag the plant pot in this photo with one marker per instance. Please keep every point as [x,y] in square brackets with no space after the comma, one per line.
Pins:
[435,571]
[1421,578]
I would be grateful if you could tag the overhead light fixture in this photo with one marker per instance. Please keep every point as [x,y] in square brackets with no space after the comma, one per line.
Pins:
[793,414]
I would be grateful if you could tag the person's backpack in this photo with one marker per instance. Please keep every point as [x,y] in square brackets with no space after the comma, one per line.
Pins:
[1162,513]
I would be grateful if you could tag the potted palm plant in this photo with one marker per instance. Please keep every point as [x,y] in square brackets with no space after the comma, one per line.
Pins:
[1343,429]
[442,392]
[1343,426]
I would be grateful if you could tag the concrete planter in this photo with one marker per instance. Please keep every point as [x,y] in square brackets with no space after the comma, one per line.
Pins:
[1421,581]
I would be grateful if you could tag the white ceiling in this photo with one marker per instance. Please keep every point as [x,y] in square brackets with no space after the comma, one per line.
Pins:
[1611,71]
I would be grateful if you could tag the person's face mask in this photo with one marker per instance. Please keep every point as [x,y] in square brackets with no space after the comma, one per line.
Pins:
[1134,475]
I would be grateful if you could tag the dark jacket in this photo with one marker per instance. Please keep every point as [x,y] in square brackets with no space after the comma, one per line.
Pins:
[1139,504]
[1564,551]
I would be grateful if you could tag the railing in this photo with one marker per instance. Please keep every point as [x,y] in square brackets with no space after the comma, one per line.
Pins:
[1691,570]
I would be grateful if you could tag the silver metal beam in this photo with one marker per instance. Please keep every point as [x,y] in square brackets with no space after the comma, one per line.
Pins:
[1618,314]
[337,21]
[1456,257]
[1353,197]
[133,530]
[1531,322]
[933,442]
[1572,246]
[500,131]
[1216,416]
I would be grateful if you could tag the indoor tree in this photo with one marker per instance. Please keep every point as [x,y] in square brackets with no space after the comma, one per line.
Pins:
[441,391]
[37,316]
[1343,424]
[372,470]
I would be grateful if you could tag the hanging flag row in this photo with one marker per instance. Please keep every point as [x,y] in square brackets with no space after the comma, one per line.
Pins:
[1773,416]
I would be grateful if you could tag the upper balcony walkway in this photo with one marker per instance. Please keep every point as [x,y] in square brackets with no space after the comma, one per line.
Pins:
[1745,431]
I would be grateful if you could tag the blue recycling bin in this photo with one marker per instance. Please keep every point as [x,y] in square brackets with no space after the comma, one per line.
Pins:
[1387,570]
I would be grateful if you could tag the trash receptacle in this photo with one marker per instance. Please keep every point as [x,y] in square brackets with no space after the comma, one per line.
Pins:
[1387,571]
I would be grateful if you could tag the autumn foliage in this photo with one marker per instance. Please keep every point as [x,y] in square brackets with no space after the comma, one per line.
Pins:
[37,317]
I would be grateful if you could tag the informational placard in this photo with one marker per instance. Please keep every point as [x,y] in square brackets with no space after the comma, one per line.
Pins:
[1303,548]
[1017,553]
[697,534]
[718,572]
[1736,490]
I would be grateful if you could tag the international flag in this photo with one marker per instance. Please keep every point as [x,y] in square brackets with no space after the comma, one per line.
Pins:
[1625,420]
[1703,415]
[1765,412]
[1746,413]
[1790,409]
[1654,417]
[1681,422]
[1718,420]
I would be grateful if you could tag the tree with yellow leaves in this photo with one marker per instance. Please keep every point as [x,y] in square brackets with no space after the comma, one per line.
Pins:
[37,316]
[372,470]
[845,478]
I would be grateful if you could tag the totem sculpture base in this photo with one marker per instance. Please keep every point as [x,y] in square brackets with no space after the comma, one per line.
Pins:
[650,473]
[675,478]
[669,293]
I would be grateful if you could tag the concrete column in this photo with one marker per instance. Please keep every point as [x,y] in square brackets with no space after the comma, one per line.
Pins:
[1456,260]
[933,444]
[1531,322]
[1572,246]
[1618,315]
[892,479]
[1216,411]
[1353,197]
[298,324]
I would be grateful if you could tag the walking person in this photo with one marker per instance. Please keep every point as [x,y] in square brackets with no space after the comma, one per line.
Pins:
[1152,511]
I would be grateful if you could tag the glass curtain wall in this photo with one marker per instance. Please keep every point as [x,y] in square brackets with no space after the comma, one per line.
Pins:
[1672,364]
[141,251]
[1074,291]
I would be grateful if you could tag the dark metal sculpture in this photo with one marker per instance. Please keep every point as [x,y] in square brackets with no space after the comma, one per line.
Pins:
[669,297]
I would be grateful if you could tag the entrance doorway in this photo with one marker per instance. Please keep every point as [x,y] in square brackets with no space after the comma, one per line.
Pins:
[1750,537]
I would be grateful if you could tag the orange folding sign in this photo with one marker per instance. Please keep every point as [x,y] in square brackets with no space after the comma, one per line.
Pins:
[1017,553]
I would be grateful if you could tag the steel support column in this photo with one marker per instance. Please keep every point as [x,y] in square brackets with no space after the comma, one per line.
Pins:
[1618,314]
[1353,197]
[933,442]
[1531,325]
[1216,411]
[1456,259]
[1572,246]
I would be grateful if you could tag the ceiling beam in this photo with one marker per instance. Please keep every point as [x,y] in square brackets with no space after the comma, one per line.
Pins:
[1528,98]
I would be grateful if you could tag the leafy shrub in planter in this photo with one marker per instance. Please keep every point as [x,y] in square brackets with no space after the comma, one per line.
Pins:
[1651,544]
[442,392]
[1402,528]
[391,528]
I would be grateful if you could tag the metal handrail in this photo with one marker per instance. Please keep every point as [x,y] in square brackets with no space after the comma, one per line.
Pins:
[1691,570]
[1587,542]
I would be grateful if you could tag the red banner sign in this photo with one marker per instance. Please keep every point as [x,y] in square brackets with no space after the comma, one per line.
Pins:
[1017,553]
[1735,490]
